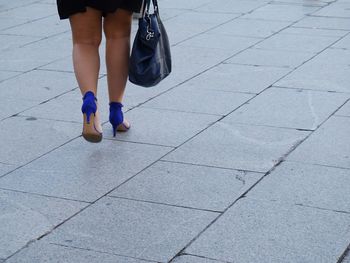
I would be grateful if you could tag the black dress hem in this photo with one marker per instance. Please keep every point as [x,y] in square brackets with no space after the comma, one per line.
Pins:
[66,10]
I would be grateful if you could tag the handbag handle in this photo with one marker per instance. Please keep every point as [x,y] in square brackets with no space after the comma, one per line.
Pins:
[146,7]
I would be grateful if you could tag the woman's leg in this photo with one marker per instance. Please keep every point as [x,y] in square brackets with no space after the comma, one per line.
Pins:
[87,35]
[117,28]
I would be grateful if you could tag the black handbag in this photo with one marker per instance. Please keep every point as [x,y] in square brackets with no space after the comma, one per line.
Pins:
[150,60]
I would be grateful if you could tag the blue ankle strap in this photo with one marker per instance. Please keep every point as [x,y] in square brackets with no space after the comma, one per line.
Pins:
[116,104]
[89,94]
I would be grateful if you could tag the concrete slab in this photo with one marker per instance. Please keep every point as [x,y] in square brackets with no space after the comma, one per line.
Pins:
[298,42]
[29,138]
[281,12]
[275,58]
[234,44]
[44,27]
[329,145]
[239,6]
[268,232]
[30,10]
[157,126]
[131,228]
[335,10]
[25,217]
[11,107]
[294,183]
[8,74]
[324,22]
[14,41]
[244,147]
[238,78]
[5,168]
[207,101]
[193,259]
[83,171]
[69,108]
[37,86]
[52,253]
[37,54]
[188,185]
[344,43]
[250,28]
[290,108]
[327,72]
[344,110]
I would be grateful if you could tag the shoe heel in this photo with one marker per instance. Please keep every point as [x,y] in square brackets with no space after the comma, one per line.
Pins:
[114,130]
[116,116]
[89,109]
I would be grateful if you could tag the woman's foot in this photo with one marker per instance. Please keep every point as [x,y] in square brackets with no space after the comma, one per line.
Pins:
[90,132]
[116,118]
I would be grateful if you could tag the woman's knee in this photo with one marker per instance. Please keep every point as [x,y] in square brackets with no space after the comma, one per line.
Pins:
[87,27]
[90,40]
[118,25]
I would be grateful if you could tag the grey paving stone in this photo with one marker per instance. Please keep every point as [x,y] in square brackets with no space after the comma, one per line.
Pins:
[324,22]
[250,28]
[45,27]
[132,228]
[304,2]
[335,10]
[297,42]
[193,259]
[8,22]
[12,106]
[207,101]
[27,139]
[238,78]
[25,217]
[36,54]
[30,11]
[239,6]
[157,126]
[51,253]
[135,95]
[190,61]
[37,86]
[184,4]
[343,43]
[268,232]
[68,107]
[220,41]
[14,41]
[65,65]
[245,147]
[329,145]
[281,12]
[13,4]
[289,108]
[5,168]
[277,58]
[188,185]
[327,71]
[194,23]
[295,183]
[314,31]
[344,111]
[8,74]
[83,171]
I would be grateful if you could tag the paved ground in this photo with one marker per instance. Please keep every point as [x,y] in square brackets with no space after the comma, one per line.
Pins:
[242,155]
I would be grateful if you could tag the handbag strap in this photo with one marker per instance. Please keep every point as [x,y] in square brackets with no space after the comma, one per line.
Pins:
[146,5]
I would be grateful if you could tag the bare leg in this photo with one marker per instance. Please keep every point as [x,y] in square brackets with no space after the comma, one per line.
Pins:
[87,35]
[117,28]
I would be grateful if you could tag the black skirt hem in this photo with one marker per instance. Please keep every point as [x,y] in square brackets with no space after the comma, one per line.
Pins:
[64,14]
